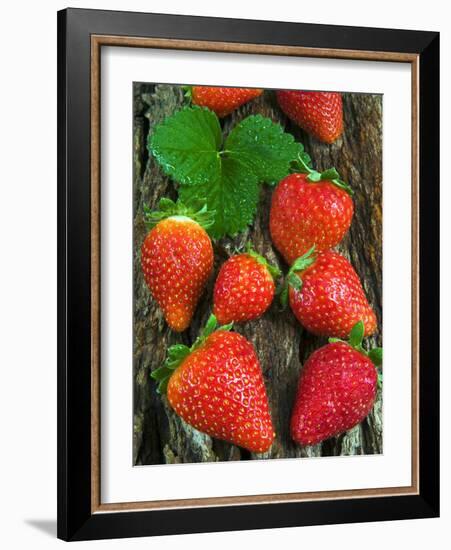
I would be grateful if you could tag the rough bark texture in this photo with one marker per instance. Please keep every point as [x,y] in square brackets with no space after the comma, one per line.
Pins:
[282,345]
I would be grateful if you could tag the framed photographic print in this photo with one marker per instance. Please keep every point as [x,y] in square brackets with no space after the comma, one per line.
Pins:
[248,274]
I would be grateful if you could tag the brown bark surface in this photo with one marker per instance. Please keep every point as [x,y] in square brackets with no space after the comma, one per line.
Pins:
[160,436]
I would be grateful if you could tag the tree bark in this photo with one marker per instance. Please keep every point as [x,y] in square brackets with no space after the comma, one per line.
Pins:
[160,436]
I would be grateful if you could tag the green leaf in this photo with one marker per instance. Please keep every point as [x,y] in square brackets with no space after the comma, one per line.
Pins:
[186,145]
[233,196]
[356,335]
[376,356]
[264,147]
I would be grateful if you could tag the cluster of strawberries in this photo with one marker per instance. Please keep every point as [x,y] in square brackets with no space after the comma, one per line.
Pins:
[216,385]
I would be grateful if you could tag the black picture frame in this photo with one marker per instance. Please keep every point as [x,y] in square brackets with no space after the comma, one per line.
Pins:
[75,518]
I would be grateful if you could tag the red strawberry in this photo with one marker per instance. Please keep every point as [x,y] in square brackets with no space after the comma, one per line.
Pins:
[326,295]
[217,387]
[337,389]
[244,288]
[222,100]
[318,113]
[309,210]
[177,259]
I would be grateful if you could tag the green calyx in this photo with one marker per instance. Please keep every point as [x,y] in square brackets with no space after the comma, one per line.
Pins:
[299,165]
[179,352]
[355,341]
[188,93]
[168,208]
[293,279]
[273,269]
[176,355]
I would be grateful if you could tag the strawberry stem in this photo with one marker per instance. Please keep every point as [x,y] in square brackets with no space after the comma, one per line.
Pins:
[314,176]
[179,352]
[293,279]
[168,208]
[273,269]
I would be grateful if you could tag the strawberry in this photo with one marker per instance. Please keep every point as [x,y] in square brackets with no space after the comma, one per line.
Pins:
[318,113]
[309,210]
[244,288]
[326,295]
[177,259]
[336,391]
[222,100]
[217,387]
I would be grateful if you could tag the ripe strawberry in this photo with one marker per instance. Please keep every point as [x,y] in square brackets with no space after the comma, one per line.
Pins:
[309,210]
[217,387]
[326,295]
[177,259]
[337,389]
[222,100]
[244,288]
[318,113]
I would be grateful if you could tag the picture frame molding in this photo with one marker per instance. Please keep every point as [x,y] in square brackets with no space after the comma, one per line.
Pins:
[81,35]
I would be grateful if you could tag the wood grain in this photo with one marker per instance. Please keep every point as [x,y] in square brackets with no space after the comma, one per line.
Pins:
[259,49]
